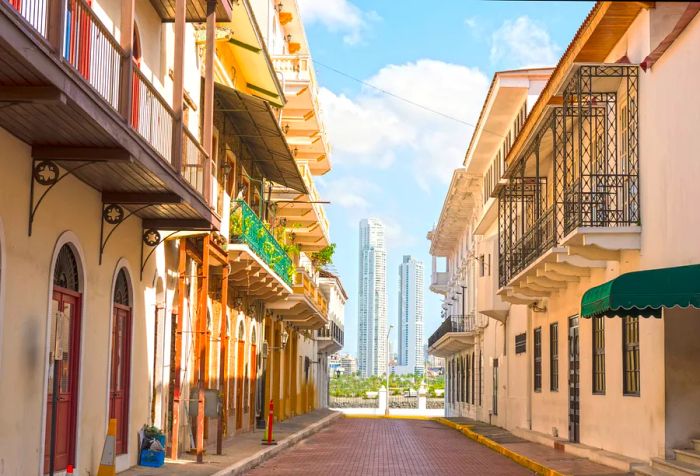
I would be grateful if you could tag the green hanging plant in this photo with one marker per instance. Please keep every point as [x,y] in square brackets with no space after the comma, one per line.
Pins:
[323,256]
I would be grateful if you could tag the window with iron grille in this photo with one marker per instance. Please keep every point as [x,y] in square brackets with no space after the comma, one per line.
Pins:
[599,355]
[630,357]
[538,359]
[473,379]
[520,343]
[494,402]
[481,377]
[554,357]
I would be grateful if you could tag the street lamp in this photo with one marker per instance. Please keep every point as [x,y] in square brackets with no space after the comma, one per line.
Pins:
[388,362]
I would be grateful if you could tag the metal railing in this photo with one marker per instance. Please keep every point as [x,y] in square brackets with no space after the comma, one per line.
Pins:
[457,323]
[332,331]
[92,50]
[34,12]
[247,228]
[194,159]
[151,116]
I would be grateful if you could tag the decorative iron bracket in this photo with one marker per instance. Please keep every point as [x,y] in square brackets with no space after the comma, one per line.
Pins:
[113,214]
[47,174]
[151,238]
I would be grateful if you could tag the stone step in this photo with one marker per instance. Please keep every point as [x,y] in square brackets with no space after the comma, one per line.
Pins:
[675,467]
[688,456]
[647,470]
[696,445]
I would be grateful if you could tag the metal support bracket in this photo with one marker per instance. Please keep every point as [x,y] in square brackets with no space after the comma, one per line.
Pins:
[47,174]
[151,238]
[114,215]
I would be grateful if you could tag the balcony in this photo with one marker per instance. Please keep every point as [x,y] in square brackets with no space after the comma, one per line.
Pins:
[258,261]
[303,213]
[439,282]
[572,201]
[301,116]
[306,307]
[455,334]
[330,338]
[195,10]
[112,129]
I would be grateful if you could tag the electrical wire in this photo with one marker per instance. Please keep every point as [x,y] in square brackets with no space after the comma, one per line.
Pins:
[404,99]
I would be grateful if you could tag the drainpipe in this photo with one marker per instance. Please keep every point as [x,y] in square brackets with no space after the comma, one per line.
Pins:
[529,354]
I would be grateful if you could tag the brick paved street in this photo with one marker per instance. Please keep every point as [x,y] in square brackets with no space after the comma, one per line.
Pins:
[389,447]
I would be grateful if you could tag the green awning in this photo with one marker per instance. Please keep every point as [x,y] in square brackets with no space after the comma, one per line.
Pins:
[644,293]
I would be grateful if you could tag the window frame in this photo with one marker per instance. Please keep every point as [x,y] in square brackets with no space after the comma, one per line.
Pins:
[630,348]
[537,359]
[554,357]
[598,352]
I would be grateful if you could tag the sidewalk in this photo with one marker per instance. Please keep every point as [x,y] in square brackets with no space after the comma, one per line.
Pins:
[243,451]
[539,458]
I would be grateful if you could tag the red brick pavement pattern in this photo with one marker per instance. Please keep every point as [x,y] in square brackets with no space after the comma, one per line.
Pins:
[390,448]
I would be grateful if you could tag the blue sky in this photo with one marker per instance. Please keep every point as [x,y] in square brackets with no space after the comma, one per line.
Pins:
[391,159]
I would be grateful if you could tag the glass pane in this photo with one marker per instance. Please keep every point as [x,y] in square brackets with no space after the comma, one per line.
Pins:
[119,355]
[52,330]
[64,328]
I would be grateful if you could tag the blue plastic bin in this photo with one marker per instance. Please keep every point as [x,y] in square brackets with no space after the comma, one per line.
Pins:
[152,459]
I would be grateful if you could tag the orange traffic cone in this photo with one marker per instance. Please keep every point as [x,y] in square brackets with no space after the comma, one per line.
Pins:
[107,466]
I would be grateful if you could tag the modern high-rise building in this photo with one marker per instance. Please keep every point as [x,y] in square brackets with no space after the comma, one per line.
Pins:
[372,311]
[411,349]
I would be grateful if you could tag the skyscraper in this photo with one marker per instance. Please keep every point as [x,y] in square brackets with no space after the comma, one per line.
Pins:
[411,350]
[372,314]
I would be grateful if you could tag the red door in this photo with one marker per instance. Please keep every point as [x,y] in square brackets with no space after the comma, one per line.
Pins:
[65,328]
[239,385]
[121,367]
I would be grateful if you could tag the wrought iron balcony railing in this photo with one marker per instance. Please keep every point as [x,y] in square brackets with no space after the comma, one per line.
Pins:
[580,170]
[457,323]
[332,331]
[247,228]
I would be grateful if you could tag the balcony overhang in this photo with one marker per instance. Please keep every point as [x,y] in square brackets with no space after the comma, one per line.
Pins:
[456,211]
[89,139]
[260,131]
[299,310]
[248,270]
[328,345]
[196,10]
[452,343]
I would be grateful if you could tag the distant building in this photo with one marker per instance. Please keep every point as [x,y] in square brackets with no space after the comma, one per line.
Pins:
[411,348]
[372,310]
[349,364]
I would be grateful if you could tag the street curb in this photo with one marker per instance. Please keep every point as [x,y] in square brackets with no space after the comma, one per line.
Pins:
[270,451]
[522,460]
[370,416]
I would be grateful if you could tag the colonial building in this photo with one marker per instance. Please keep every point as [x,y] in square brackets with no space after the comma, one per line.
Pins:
[168,279]
[578,218]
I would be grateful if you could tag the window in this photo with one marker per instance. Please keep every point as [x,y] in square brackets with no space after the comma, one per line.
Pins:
[520,343]
[482,266]
[554,357]
[538,359]
[473,380]
[466,379]
[494,402]
[630,355]
[599,355]
[481,378]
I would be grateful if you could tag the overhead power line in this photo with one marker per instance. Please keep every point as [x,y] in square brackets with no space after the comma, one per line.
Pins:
[402,98]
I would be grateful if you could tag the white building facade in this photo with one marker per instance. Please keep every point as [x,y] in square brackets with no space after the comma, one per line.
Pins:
[411,357]
[372,310]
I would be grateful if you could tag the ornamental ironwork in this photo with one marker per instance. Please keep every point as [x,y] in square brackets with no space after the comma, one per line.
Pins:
[65,272]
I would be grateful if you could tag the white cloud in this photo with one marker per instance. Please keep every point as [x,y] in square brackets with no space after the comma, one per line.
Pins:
[374,130]
[523,43]
[339,16]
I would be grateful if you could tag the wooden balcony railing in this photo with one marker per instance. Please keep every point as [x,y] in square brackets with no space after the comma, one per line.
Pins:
[84,43]
[304,284]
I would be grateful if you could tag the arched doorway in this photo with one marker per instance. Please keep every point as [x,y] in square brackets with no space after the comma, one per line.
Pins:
[240,370]
[253,373]
[121,360]
[64,362]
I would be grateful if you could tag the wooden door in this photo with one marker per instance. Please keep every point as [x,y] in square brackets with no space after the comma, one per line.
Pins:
[121,370]
[65,327]
[253,381]
[239,383]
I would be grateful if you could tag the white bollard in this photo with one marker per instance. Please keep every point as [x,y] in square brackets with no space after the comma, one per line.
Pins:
[383,404]
[422,397]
